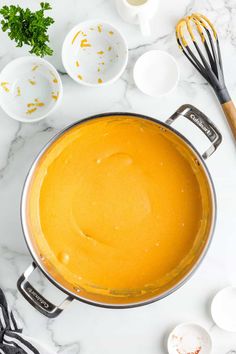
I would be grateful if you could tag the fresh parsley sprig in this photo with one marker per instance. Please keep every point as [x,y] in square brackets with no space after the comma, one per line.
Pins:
[27,27]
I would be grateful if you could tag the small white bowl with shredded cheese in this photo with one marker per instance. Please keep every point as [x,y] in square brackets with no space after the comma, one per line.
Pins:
[30,89]
[94,53]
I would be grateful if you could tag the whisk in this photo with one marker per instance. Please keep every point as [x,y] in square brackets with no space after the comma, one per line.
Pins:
[206,58]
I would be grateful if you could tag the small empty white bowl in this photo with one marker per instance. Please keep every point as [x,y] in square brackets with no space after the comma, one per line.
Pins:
[30,89]
[156,73]
[94,53]
[189,338]
[223,309]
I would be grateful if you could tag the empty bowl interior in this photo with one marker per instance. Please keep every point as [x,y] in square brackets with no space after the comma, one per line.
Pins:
[223,309]
[156,73]
[94,53]
[29,88]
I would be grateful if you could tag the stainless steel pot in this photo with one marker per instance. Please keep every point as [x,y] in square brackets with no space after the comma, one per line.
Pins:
[50,310]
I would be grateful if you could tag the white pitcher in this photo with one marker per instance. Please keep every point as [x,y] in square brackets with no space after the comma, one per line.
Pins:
[138,11]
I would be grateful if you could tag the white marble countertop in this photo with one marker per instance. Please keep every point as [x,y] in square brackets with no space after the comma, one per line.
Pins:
[86,329]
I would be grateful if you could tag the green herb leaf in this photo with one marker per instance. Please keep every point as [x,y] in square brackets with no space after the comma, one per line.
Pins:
[27,27]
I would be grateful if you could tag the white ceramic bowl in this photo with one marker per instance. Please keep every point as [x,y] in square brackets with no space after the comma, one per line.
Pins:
[223,309]
[94,53]
[30,89]
[156,73]
[189,338]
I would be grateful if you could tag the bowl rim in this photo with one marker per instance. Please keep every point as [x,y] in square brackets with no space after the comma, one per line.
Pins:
[214,312]
[185,324]
[35,59]
[174,61]
[63,53]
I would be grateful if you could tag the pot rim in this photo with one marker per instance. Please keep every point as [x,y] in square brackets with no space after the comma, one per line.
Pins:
[50,277]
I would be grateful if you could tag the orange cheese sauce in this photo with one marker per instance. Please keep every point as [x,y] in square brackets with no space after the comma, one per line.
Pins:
[119,207]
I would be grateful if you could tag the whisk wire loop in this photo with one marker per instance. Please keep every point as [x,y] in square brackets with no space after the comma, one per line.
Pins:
[183,44]
[213,54]
[201,47]
[208,64]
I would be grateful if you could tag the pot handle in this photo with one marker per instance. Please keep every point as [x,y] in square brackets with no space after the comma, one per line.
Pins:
[202,122]
[36,299]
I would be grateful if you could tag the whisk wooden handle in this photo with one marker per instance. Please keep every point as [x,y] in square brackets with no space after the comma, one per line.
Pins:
[230,113]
